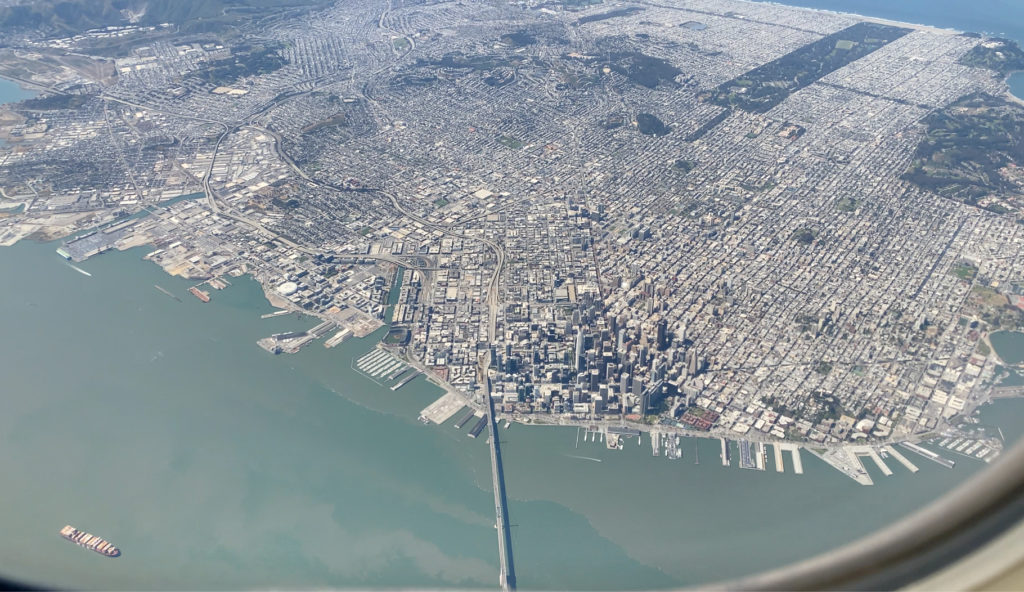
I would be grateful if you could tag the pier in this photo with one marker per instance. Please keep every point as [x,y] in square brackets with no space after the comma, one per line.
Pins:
[725,451]
[166,292]
[507,576]
[443,409]
[900,458]
[479,427]
[337,338]
[928,454]
[778,458]
[845,461]
[873,455]
[747,460]
[798,465]
[465,419]
[405,381]
[289,342]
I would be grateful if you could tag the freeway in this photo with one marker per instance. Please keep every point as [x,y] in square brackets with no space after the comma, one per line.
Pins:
[492,286]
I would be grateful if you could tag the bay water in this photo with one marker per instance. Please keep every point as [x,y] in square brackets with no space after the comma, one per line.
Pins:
[10,92]
[1009,345]
[161,426]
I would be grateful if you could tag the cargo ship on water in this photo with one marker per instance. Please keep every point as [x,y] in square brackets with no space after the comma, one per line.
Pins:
[203,296]
[89,541]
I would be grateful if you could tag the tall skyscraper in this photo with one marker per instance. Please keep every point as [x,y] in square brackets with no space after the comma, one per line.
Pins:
[578,360]
[661,333]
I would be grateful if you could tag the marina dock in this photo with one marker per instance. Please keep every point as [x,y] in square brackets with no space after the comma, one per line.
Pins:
[379,365]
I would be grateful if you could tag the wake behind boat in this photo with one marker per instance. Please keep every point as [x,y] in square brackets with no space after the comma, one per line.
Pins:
[79,269]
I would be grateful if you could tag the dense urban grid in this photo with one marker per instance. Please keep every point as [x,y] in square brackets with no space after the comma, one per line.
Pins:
[695,217]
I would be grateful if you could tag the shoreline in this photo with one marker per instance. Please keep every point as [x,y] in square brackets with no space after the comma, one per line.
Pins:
[867,18]
[278,302]
[1009,89]
[25,86]
[995,352]
[599,425]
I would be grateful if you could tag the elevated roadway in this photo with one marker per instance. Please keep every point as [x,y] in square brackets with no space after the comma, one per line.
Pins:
[507,575]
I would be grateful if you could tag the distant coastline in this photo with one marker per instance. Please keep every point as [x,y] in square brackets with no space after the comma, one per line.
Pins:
[864,17]
[1014,80]
[23,87]
[955,9]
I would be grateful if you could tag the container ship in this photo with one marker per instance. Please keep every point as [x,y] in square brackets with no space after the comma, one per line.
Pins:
[89,541]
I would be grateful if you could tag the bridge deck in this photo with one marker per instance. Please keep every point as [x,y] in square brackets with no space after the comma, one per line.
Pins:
[507,577]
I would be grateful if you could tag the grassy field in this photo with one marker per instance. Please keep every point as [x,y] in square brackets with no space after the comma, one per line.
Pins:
[510,142]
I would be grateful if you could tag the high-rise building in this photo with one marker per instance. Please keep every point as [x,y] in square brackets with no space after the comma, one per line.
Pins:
[638,386]
[661,334]
[578,359]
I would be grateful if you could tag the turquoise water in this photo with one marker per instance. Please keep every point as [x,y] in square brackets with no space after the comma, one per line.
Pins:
[1009,345]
